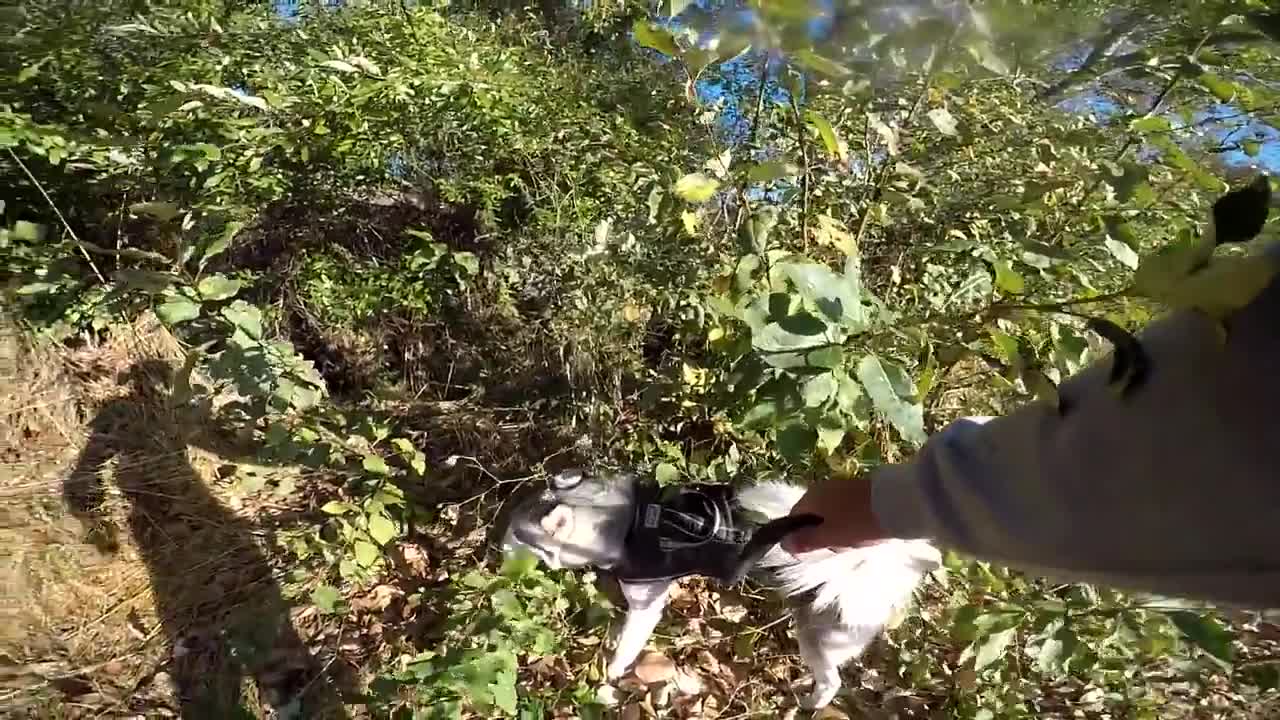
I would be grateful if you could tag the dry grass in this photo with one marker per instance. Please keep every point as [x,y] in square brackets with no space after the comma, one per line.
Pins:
[134,578]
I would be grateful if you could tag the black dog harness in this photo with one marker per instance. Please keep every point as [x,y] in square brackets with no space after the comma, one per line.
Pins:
[685,530]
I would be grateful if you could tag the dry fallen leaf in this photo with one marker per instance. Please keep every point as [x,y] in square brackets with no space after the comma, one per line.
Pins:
[654,667]
[688,682]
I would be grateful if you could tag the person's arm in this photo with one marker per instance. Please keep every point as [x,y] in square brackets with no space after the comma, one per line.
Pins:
[1174,489]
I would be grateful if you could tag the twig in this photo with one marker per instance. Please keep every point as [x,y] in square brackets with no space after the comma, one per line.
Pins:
[57,212]
[804,179]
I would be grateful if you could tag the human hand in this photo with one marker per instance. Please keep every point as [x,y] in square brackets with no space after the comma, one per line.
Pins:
[847,518]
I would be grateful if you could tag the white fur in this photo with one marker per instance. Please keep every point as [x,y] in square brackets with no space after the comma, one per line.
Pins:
[863,586]
[856,592]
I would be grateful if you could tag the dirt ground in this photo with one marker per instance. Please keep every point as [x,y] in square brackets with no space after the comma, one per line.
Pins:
[138,578]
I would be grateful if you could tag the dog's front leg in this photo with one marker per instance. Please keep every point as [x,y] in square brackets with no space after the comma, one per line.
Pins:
[645,602]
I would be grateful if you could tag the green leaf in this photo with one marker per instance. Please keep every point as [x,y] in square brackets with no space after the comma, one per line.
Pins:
[1008,279]
[827,357]
[770,171]
[839,297]
[366,553]
[943,121]
[906,417]
[655,38]
[1206,633]
[219,246]
[818,389]
[376,465]
[162,211]
[340,66]
[381,528]
[1151,124]
[1224,90]
[326,598]
[803,323]
[796,441]
[504,695]
[1122,252]
[993,647]
[245,317]
[828,134]
[696,187]
[820,64]
[177,311]
[1055,652]
[218,287]
[519,563]
[336,507]
[666,473]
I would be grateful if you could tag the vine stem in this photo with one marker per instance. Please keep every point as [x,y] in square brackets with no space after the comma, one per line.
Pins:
[1057,306]
[65,224]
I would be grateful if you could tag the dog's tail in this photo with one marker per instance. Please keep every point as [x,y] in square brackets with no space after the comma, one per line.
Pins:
[864,585]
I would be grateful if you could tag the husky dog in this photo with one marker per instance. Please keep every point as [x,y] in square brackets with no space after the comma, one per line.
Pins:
[648,537]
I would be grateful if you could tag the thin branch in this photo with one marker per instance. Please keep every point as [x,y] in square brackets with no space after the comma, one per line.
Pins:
[65,224]
[804,180]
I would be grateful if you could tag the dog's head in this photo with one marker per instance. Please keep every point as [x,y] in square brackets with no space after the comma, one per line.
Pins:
[579,520]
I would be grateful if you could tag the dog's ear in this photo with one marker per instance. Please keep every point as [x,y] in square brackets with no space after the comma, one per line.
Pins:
[559,522]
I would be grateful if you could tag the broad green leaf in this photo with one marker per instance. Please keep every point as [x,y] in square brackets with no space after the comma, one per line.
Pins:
[376,465]
[666,473]
[1206,632]
[219,246]
[803,323]
[1122,252]
[245,317]
[829,438]
[218,287]
[1055,652]
[162,211]
[818,389]
[340,66]
[943,121]
[326,598]
[366,553]
[655,38]
[518,563]
[28,231]
[906,417]
[796,441]
[381,528]
[828,357]
[820,64]
[972,290]
[504,694]
[177,311]
[993,648]
[696,187]
[828,134]
[774,338]
[1008,279]
[1224,90]
[837,296]
[336,507]
[770,171]
[1151,124]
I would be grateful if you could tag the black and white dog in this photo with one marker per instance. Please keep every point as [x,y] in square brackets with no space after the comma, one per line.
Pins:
[648,537]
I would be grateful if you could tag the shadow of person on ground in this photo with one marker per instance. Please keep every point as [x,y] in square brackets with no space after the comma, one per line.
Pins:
[220,607]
